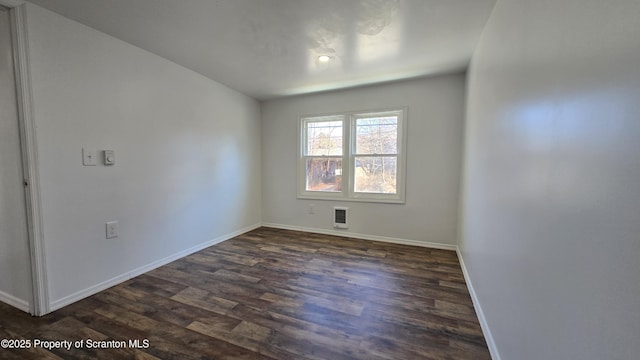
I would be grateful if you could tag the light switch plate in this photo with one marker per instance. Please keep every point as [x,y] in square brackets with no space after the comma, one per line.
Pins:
[112,229]
[88,157]
[109,157]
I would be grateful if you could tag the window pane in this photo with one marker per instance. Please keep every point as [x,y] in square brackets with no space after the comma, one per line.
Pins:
[377,135]
[324,174]
[375,174]
[324,138]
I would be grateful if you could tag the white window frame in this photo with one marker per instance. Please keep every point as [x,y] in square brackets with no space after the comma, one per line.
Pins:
[348,157]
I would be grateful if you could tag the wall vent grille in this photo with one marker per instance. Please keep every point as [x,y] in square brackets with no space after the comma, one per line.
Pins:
[340,218]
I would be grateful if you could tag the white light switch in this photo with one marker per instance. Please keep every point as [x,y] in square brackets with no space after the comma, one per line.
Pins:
[88,157]
[112,229]
[109,157]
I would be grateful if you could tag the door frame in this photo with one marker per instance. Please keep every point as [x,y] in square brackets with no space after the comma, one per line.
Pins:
[39,304]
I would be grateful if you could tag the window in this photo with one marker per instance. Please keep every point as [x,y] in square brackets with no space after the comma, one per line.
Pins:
[323,154]
[352,156]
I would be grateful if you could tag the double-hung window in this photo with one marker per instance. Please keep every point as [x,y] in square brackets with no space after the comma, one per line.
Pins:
[356,156]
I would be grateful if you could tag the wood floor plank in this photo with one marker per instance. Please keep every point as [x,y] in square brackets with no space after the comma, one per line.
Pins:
[274,294]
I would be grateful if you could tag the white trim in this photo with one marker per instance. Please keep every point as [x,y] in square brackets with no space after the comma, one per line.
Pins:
[348,193]
[302,156]
[14,301]
[493,349]
[400,155]
[320,197]
[364,236]
[55,305]
[39,305]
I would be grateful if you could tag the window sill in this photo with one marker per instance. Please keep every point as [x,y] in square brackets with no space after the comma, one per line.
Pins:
[352,199]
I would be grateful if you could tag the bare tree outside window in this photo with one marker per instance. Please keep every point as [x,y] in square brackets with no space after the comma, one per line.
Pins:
[353,156]
[324,151]
[376,155]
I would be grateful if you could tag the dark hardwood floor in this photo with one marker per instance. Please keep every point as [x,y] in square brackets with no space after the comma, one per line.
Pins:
[272,294]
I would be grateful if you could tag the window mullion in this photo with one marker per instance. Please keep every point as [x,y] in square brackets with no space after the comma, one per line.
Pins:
[346,157]
[375,155]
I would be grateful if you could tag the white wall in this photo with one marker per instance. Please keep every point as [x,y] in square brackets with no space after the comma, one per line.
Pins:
[435,118]
[187,155]
[551,230]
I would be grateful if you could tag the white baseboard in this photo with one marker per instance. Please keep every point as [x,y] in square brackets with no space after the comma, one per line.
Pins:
[60,303]
[24,306]
[476,304]
[14,301]
[364,236]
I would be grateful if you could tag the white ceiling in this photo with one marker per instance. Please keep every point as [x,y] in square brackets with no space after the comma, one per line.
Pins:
[269,48]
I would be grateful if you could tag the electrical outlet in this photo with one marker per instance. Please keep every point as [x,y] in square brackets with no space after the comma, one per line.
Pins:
[89,157]
[112,229]
[311,209]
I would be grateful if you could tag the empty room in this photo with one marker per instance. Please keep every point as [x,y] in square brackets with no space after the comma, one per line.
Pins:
[328,179]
